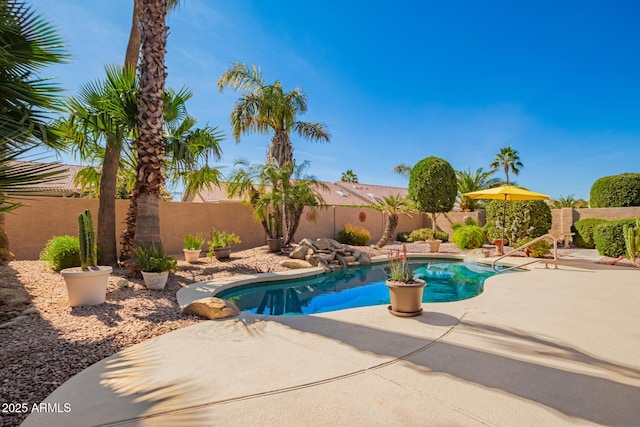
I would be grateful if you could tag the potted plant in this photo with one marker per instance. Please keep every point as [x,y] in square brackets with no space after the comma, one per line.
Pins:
[434,244]
[155,265]
[405,291]
[192,247]
[274,233]
[87,284]
[220,244]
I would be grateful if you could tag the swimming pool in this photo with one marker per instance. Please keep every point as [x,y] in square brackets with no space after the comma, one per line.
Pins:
[447,280]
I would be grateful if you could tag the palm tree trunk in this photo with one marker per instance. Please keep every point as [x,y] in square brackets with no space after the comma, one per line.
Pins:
[392,224]
[293,221]
[5,253]
[150,148]
[127,236]
[280,149]
[107,203]
[133,47]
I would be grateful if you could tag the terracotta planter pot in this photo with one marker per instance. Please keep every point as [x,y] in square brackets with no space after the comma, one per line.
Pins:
[499,245]
[155,280]
[434,245]
[406,298]
[191,255]
[275,245]
[86,287]
[222,253]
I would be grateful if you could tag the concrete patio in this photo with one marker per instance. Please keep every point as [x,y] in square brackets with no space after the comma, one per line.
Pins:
[545,347]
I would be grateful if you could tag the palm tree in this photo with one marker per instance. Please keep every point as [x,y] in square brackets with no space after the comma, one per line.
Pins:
[403,169]
[102,121]
[266,108]
[509,160]
[29,44]
[393,206]
[349,176]
[569,202]
[300,191]
[473,181]
[150,148]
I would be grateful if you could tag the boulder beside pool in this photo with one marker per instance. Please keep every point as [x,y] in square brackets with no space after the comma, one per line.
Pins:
[212,308]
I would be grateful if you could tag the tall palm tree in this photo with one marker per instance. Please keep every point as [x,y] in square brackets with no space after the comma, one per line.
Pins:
[150,148]
[473,181]
[509,160]
[29,44]
[349,176]
[133,46]
[102,121]
[403,169]
[266,108]
[393,207]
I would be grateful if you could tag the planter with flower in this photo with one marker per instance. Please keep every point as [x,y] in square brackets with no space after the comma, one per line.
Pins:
[220,244]
[404,290]
[87,284]
[192,247]
[155,265]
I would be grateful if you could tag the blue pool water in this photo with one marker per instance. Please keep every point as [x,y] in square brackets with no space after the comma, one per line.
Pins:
[358,287]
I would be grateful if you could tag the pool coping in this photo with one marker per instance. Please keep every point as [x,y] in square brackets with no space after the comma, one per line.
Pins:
[213,287]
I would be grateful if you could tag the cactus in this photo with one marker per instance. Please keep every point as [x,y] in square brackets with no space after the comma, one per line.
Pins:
[86,236]
[632,239]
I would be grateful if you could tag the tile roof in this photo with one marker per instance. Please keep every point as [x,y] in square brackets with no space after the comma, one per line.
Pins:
[335,194]
[62,184]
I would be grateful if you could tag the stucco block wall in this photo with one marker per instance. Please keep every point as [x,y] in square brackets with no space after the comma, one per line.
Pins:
[31,226]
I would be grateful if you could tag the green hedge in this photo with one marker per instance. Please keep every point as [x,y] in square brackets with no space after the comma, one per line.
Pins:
[583,230]
[539,213]
[403,236]
[425,234]
[616,191]
[609,238]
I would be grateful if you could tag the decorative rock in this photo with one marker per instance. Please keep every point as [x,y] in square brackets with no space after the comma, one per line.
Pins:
[123,283]
[313,261]
[364,259]
[336,244]
[353,264]
[295,263]
[322,243]
[212,308]
[326,257]
[307,243]
[349,258]
[29,311]
[299,252]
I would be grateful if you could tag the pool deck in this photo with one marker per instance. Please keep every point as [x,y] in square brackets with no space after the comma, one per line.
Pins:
[545,347]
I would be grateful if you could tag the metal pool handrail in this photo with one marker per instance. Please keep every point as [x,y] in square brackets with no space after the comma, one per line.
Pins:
[555,254]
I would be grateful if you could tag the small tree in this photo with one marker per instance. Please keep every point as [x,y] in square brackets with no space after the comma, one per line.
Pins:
[393,206]
[433,186]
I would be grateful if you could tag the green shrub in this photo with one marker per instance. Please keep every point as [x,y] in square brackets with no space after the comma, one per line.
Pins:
[537,250]
[609,237]
[356,236]
[537,216]
[62,252]
[468,236]
[403,236]
[433,185]
[583,230]
[616,191]
[426,234]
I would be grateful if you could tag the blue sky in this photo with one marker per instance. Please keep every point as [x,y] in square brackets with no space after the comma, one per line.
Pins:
[399,81]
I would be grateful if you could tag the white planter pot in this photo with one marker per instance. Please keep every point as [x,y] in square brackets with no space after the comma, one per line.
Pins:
[86,287]
[191,255]
[155,280]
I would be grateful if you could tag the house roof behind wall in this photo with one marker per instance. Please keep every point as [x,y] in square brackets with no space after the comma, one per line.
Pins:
[61,186]
[335,194]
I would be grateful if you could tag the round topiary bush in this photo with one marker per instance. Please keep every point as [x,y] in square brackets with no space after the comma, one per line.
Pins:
[62,252]
[616,191]
[583,230]
[433,185]
[539,215]
[468,236]
[609,237]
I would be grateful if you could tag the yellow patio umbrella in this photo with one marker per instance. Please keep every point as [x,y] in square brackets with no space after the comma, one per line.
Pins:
[506,193]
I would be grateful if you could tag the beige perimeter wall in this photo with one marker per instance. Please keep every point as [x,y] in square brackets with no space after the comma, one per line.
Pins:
[31,226]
